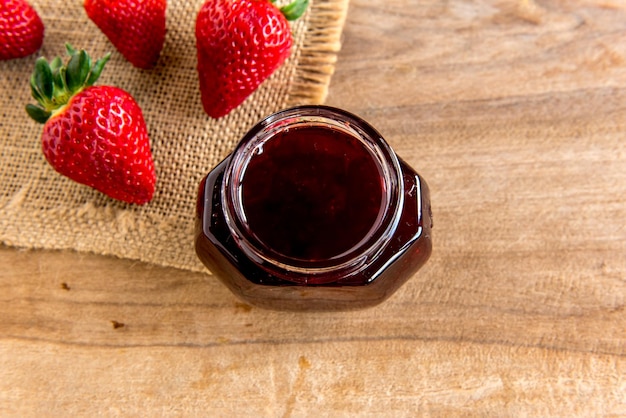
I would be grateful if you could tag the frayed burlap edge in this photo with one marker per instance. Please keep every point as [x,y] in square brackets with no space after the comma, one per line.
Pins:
[318,54]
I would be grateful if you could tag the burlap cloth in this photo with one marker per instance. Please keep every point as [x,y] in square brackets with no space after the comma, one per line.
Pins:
[41,209]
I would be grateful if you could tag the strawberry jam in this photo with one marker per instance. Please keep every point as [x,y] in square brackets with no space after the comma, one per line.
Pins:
[311,194]
[313,210]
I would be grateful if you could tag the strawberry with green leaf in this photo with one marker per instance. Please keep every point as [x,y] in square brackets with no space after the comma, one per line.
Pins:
[95,135]
[240,43]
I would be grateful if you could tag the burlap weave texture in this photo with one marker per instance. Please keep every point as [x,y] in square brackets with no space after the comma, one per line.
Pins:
[41,209]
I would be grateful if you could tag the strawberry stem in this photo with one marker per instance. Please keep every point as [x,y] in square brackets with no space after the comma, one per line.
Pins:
[295,9]
[42,78]
[53,84]
[37,113]
[77,71]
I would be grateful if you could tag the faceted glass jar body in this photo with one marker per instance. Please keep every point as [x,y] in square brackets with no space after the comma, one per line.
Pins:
[313,211]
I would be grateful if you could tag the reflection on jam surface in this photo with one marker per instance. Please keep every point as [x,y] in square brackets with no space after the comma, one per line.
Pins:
[312,193]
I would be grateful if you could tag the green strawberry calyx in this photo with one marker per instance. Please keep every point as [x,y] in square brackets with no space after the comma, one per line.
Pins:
[53,84]
[294,10]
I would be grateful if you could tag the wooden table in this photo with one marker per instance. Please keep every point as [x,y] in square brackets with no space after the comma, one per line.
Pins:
[515,113]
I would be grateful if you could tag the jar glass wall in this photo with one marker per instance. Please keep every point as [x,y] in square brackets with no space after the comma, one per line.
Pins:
[313,210]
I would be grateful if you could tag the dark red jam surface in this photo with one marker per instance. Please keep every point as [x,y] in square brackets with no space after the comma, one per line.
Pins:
[312,193]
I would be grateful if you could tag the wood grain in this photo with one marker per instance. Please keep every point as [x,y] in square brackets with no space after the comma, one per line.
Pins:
[514,112]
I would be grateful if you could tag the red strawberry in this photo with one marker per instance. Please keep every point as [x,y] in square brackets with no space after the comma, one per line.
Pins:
[135,27]
[95,135]
[240,43]
[21,29]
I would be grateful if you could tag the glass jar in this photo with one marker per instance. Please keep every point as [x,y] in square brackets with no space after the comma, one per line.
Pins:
[313,211]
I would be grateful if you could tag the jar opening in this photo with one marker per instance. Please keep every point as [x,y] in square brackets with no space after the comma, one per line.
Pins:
[312,191]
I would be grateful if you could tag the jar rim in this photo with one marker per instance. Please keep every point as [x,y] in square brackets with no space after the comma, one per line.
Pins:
[341,265]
